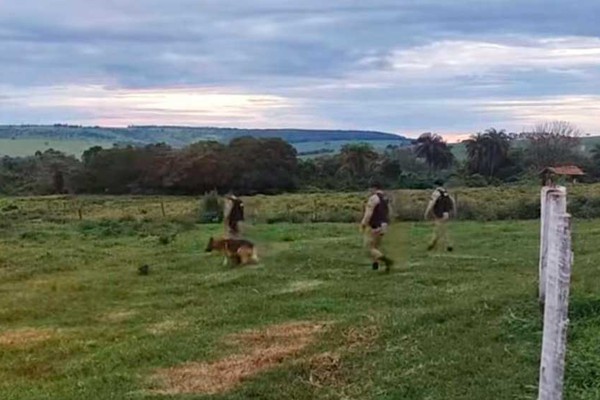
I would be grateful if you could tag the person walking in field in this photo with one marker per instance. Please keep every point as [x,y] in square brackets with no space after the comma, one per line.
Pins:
[440,207]
[374,225]
[233,215]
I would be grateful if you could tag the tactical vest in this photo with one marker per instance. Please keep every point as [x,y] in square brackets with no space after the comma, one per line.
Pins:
[237,212]
[380,213]
[443,204]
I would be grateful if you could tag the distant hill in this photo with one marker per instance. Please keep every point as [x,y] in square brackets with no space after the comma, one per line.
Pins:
[19,140]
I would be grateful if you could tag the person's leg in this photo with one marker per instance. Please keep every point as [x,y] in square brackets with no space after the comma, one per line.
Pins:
[374,243]
[233,231]
[436,234]
[376,252]
[443,230]
[449,245]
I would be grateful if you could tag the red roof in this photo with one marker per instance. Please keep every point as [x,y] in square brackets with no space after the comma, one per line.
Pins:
[570,170]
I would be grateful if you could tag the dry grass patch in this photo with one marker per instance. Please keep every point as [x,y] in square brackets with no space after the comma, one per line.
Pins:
[361,337]
[169,325]
[265,349]
[300,286]
[25,337]
[117,316]
[325,370]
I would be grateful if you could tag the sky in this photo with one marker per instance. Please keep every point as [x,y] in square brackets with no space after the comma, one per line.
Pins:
[452,67]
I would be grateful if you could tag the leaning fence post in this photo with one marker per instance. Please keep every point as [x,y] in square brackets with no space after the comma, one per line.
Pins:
[162,208]
[558,277]
[553,201]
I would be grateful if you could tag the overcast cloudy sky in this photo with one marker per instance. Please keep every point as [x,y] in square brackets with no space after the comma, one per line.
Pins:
[453,67]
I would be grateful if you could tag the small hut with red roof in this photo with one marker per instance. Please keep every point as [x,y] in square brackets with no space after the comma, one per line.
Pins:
[551,175]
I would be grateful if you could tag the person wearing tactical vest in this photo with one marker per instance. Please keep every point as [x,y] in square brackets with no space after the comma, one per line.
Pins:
[233,215]
[440,207]
[374,225]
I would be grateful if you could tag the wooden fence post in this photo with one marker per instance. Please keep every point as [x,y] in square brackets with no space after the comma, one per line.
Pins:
[553,201]
[162,208]
[558,277]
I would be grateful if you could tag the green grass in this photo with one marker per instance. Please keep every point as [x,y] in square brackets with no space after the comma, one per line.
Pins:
[485,204]
[461,325]
[336,145]
[20,147]
[28,147]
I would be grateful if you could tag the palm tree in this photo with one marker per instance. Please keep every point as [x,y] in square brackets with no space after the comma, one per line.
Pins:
[488,151]
[357,159]
[434,150]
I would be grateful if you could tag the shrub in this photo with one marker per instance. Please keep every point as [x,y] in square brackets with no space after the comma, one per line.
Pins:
[211,208]
[10,207]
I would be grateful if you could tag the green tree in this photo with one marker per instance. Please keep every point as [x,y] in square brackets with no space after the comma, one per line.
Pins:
[434,150]
[358,160]
[487,152]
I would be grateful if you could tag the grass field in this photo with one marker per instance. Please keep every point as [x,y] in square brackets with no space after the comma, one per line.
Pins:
[485,204]
[28,147]
[311,321]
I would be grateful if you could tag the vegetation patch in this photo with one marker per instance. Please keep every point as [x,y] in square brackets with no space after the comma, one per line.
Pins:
[25,337]
[118,316]
[300,286]
[167,326]
[325,370]
[265,349]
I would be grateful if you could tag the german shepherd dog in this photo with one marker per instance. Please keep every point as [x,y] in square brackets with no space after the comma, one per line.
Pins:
[236,251]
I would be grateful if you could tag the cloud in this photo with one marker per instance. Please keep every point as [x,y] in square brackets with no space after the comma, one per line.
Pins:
[459,57]
[583,111]
[188,106]
[404,66]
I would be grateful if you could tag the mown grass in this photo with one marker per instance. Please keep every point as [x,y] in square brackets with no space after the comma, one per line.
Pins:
[462,325]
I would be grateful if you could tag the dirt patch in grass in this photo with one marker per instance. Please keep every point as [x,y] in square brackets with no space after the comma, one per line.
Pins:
[263,350]
[25,337]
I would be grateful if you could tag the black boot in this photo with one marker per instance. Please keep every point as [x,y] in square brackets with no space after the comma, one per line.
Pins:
[375,266]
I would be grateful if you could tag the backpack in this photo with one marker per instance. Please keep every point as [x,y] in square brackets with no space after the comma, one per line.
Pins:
[443,204]
[237,211]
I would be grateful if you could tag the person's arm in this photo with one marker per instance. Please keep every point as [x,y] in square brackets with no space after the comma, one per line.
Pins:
[371,204]
[434,197]
[454,209]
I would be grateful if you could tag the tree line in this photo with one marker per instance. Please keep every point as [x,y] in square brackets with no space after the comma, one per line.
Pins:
[249,165]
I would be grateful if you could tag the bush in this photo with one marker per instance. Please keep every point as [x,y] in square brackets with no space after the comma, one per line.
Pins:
[211,208]
[584,207]
[10,207]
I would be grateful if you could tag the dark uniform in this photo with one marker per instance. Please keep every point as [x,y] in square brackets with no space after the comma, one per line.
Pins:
[440,206]
[376,218]
[233,216]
